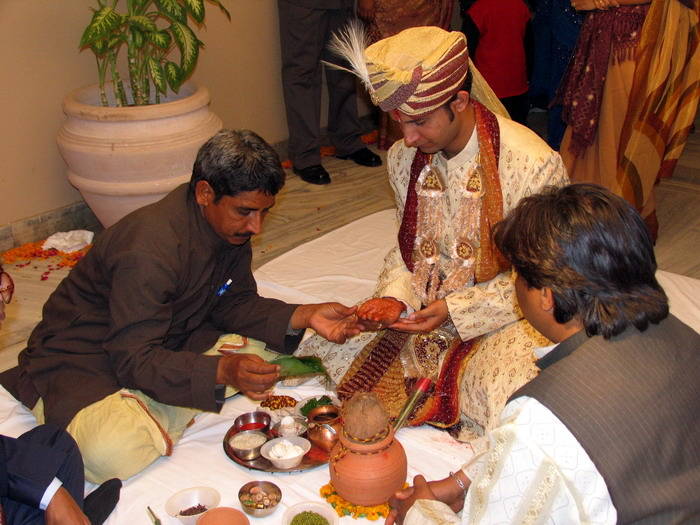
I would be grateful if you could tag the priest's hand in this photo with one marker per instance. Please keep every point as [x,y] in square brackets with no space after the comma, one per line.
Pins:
[333,321]
[445,490]
[425,320]
[404,499]
[249,373]
[63,510]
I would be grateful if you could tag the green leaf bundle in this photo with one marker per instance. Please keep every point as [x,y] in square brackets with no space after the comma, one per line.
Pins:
[291,366]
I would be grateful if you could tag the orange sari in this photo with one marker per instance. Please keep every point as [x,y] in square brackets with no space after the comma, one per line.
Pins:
[648,107]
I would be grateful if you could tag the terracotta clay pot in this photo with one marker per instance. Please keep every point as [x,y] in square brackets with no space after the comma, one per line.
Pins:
[122,158]
[367,473]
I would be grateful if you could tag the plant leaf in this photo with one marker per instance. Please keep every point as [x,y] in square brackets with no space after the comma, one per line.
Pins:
[159,39]
[221,6]
[173,10]
[196,9]
[157,74]
[173,75]
[102,24]
[143,23]
[291,366]
[99,47]
[137,37]
[188,43]
[313,403]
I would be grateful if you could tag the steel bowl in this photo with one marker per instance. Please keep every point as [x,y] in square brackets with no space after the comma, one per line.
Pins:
[257,420]
[247,453]
[259,498]
[300,426]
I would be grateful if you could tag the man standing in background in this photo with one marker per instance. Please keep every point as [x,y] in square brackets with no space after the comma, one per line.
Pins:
[305,28]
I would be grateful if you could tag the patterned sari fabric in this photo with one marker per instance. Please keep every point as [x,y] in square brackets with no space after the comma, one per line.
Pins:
[606,37]
[664,97]
[628,122]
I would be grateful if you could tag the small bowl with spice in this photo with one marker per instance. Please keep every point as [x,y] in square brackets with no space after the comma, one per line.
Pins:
[257,420]
[310,513]
[189,504]
[259,498]
[246,445]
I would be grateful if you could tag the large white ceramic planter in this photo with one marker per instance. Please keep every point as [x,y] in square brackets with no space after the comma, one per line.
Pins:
[121,159]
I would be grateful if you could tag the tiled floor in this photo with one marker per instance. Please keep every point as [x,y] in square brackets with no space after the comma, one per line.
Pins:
[304,212]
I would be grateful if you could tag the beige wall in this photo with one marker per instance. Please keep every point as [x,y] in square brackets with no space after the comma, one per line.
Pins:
[41,63]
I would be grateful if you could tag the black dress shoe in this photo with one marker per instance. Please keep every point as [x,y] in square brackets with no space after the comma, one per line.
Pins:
[315,174]
[363,157]
[100,503]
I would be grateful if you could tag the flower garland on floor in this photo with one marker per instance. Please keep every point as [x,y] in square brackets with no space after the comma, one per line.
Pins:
[345,508]
[24,255]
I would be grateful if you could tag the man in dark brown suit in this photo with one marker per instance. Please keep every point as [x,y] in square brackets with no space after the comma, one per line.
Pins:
[607,432]
[118,358]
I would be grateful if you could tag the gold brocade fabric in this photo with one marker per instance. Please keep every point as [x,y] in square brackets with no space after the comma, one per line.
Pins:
[473,255]
[393,361]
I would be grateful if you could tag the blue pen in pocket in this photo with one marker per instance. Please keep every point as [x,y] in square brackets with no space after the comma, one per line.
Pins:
[222,290]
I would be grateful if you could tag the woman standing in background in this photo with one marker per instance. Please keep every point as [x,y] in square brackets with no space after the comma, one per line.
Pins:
[630,95]
[496,32]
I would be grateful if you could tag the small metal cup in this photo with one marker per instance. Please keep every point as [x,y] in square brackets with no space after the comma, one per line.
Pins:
[324,426]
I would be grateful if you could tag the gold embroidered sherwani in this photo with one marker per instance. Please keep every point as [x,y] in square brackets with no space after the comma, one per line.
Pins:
[526,165]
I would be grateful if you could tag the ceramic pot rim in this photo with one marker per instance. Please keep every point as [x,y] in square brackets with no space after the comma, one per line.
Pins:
[83,103]
[366,447]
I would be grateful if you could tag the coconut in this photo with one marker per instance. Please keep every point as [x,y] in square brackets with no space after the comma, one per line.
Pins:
[364,416]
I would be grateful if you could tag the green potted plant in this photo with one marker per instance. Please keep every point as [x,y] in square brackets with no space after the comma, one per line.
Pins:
[132,137]
[148,30]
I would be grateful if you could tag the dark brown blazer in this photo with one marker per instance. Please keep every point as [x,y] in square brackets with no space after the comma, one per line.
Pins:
[139,309]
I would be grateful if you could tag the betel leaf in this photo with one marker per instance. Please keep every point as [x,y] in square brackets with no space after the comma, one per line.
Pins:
[313,403]
[291,366]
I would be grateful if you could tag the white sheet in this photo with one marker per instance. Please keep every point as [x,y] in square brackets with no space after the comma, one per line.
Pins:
[342,265]
[199,459]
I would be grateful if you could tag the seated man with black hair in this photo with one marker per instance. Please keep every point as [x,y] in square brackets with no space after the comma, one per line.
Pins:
[605,433]
[120,359]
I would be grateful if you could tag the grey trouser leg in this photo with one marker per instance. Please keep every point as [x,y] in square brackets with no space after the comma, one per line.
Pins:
[304,34]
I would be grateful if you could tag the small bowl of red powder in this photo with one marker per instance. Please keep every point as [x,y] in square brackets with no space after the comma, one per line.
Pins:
[257,420]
